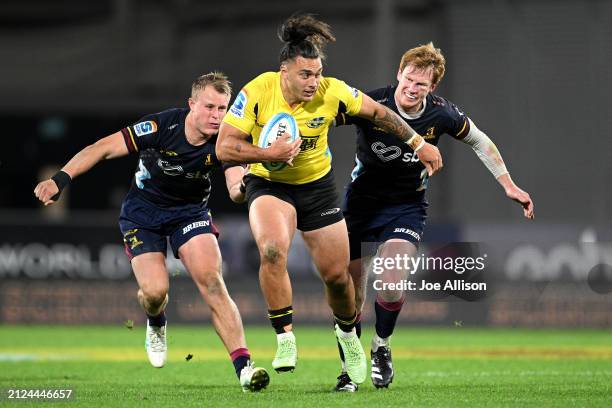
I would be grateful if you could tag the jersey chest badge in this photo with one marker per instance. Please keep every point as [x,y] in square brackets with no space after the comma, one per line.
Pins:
[316,122]
[430,133]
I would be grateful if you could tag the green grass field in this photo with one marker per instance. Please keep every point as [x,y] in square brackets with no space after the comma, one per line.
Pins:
[455,367]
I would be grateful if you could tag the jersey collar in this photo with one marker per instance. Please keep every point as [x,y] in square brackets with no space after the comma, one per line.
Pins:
[409,116]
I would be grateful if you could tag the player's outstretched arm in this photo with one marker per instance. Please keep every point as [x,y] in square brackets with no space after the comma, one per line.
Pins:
[110,147]
[233,146]
[490,156]
[234,182]
[515,193]
[392,123]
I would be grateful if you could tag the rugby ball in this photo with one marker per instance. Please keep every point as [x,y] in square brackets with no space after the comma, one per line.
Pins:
[276,126]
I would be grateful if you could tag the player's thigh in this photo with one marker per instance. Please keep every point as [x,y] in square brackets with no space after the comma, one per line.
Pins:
[329,249]
[202,258]
[151,274]
[273,223]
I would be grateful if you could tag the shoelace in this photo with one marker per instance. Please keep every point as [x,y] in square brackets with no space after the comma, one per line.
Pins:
[381,356]
[352,354]
[247,369]
[156,340]
[286,346]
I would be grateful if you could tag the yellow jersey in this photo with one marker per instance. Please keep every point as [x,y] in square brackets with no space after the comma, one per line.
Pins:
[262,98]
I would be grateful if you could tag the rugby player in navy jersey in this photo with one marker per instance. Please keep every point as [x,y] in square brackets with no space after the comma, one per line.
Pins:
[168,199]
[385,201]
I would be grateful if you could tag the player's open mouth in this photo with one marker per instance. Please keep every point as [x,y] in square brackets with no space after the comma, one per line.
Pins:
[412,98]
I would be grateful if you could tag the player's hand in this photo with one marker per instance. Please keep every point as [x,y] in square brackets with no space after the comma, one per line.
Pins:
[283,149]
[521,197]
[431,158]
[45,190]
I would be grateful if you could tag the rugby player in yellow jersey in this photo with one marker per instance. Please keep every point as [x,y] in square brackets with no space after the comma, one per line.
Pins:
[303,195]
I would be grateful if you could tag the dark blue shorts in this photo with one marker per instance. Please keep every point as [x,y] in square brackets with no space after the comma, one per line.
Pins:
[146,226]
[403,221]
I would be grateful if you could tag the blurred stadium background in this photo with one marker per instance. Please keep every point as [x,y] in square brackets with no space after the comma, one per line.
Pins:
[533,74]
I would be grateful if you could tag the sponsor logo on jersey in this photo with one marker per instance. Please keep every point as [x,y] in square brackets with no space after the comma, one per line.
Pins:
[430,133]
[193,225]
[145,128]
[386,153]
[168,153]
[172,126]
[330,211]
[353,91]
[239,105]
[316,122]
[308,143]
[169,169]
[409,232]
[410,157]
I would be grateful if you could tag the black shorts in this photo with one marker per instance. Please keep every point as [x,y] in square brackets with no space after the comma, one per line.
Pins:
[316,203]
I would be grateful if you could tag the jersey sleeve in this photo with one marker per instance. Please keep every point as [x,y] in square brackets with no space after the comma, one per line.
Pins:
[243,112]
[142,135]
[350,99]
[458,122]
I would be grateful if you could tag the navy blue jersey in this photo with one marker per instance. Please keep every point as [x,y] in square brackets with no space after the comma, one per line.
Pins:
[171,171]
[387,170]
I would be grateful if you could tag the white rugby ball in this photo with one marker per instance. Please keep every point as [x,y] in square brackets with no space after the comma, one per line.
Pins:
[276,126]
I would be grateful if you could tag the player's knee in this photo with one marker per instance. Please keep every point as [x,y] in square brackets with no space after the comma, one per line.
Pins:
[390,296]
[153,300]
[336,278]
[273,254]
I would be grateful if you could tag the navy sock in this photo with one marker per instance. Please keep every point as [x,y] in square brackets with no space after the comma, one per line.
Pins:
[157,321]
[240,358]
[386,316]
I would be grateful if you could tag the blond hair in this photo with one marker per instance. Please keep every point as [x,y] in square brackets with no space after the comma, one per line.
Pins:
[423,57]
[217,79]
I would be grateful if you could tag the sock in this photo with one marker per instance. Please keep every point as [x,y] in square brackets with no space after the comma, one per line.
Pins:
[386,316]
[240,358]
[157,321]
[358,331]
[346,324]
[378,342]
[281,318]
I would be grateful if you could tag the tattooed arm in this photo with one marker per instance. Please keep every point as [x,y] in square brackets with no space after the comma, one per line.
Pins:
[392,123]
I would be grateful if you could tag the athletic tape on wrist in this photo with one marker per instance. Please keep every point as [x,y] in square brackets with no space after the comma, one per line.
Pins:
[61,179]
[420,145]
[415,142]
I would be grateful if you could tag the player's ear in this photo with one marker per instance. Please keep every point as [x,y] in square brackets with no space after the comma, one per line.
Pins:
[433,87]
[191,103]
[399,75]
